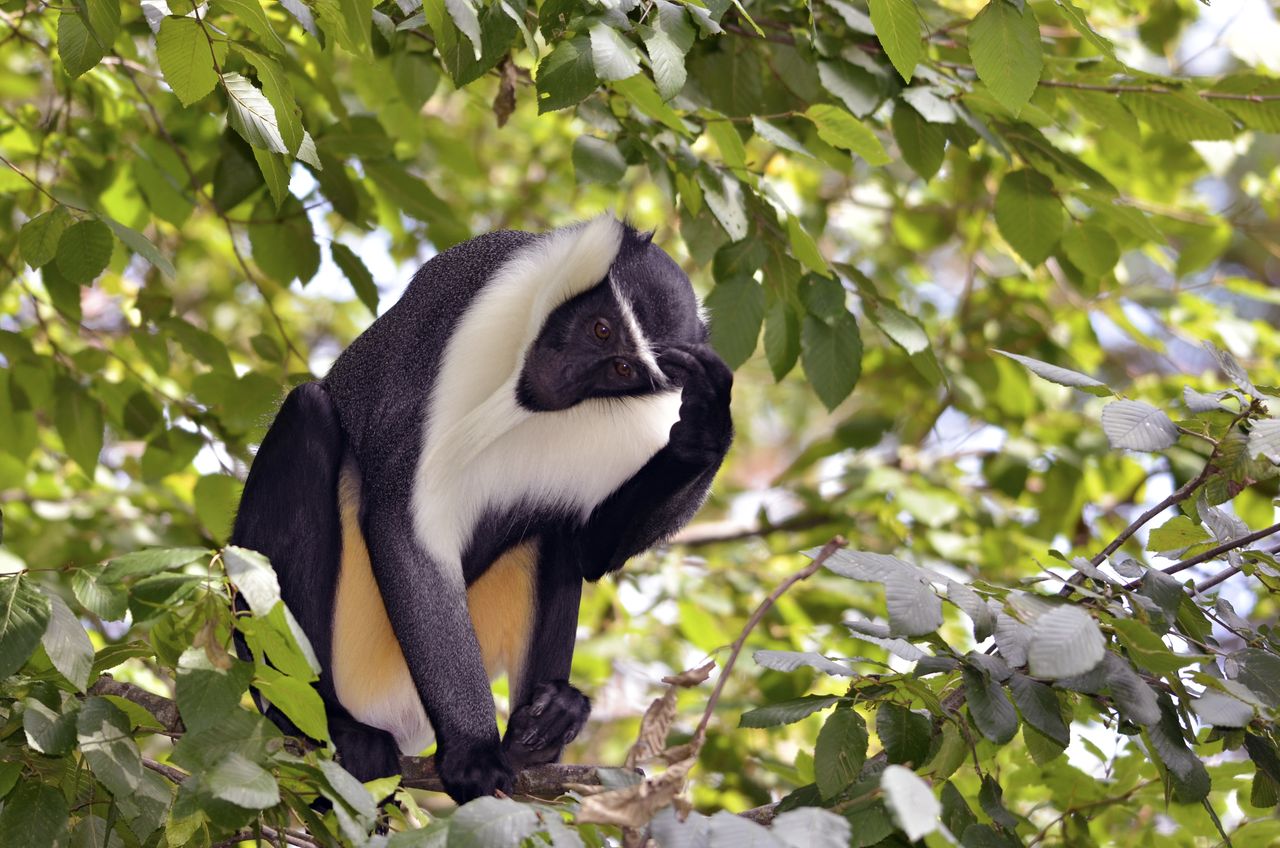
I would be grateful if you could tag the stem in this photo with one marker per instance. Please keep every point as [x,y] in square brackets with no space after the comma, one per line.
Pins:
[827,550]
[1214,553]
[1216,579]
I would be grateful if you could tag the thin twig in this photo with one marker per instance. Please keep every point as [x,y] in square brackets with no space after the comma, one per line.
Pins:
[1223,575]
[827,550]
[1214,553]
[168,771]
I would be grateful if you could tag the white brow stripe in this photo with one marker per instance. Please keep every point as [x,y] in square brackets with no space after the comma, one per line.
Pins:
[643,349]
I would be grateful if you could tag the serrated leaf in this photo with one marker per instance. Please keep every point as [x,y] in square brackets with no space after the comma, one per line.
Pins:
[897,25]
[804,248]
[923,144]
[778,137]
[492,821]
[1076,16]
[832,357]
[811,827]
[984,621]
[914,609]
[357,274]
[840,129]
[35,815]
[992,711]
[250,14]
[251,114]
[279,92]
[1133,425]
[1222,710]
[151,561]
[187,58]
[781,339]
[1004,43]
[1091,249]
[1064,642]
[1039,708]
[614,57]
[856,87]
[737,311]
[240,781]
[67,644]
[906,735]
[566,75]
[791,660]
[103,732]
[840,751]
[1181,114]
[1028,214]
[597,160]
[77,46]
[1188,775]
[911,801]
[723,196]
[467,20]
[254,578]
[1057,374]
[24,615]
[78,419]
[297,699]
[1201,402]
[787,712]
[38,238]
[142,246]
[48,731]
[1264,439]
[84,249]
[1175,534]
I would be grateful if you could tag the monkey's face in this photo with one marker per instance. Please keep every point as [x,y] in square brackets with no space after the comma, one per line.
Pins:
[608,341]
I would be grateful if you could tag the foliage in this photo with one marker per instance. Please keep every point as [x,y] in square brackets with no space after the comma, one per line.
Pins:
[203,202]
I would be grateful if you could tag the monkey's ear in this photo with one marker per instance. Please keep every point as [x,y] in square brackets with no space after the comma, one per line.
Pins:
[645,237]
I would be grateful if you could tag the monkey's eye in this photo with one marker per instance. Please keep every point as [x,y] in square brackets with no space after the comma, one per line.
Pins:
[622,368]
[601,330]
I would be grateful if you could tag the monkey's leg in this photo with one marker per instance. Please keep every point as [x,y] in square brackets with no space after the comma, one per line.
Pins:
[547,712]
[426,603]
[289,513]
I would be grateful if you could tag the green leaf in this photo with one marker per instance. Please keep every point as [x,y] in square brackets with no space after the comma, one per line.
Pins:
[251,114]
[67,644]
[242,782]
[297,699]
[1181,114]
[644,96]
[566,75]
[1028,214]
[804,248]
[48,731]
[597,160]
[466,19]
[897,25]
[1077,18]
[923,144]
[667,43]
[902,329]
[723,196]
[905,734]
[729,143]
[840,751]
[250,14]
[989,706]
[149,561]
[275,171]
[35,815]
[1133,425]
[778,137]
[216,496]
[1259,670]
[414,197]
[1091,249]
[1039,708]
[1253,99]
[1057,374]
[105,740]
[1188,775]
[614,57]
[84,251]
[856,87]
[78,419]
[187,58]
[77,47]
[1004,43]
[38,239]
[1175,534]
[832,357]
[284,243]
[840,129]
[142,246]
[492,821]
[911,801]
[781,338]
[737,311]
[1065,641]
[787,712]
[206,693]
[357,274]
[279,92]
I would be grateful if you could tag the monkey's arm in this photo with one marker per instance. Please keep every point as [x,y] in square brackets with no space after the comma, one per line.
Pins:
[667,491]
[427,607]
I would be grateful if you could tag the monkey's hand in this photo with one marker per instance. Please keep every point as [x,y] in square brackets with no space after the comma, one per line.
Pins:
[468,772]
[702,435]
[538,731]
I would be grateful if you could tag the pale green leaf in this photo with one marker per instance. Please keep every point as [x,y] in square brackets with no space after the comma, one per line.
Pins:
[840,129]
[897,25]
[187,57]
[1004,43]
[1028,213]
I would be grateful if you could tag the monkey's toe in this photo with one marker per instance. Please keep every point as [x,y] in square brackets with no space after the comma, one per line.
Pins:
[472,772]
[539,730]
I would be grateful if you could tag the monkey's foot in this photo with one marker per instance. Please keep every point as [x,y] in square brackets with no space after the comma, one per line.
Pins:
[539,730]
[473,771]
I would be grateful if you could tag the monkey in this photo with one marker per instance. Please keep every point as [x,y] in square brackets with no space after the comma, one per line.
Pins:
[535,410]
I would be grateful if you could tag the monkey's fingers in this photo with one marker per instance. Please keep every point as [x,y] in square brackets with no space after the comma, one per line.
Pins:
[538,731]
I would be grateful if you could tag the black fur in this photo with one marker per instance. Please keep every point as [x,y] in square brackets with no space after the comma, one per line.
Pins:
[372,404]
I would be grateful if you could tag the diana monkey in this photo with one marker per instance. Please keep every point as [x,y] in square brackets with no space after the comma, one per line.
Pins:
[535,410]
